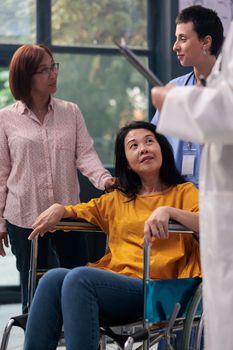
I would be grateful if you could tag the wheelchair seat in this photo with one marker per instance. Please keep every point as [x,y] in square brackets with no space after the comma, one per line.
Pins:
[171,306]
[162,295]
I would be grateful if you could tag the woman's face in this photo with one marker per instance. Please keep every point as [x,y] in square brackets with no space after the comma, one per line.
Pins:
[142,152]
[44,80]
[188,47]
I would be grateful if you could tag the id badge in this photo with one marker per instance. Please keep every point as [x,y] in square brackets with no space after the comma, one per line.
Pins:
[188,160]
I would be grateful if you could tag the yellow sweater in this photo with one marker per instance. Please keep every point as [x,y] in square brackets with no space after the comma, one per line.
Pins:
[123,222]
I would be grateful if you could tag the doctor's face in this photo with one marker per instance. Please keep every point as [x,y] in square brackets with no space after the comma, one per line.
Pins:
[188,47]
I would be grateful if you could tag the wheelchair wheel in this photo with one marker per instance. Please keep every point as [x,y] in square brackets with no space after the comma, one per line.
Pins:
[193,332]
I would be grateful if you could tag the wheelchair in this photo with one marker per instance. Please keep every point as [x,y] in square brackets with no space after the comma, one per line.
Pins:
[173,310]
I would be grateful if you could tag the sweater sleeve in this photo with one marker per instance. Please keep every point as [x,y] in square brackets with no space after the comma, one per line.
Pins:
[87,160]
[198,114]
[5,169]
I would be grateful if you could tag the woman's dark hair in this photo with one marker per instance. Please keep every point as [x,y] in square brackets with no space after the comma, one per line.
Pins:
[23,65]
[205,22]
[129,181]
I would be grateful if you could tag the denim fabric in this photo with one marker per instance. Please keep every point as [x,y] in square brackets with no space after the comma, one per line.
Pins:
[83,298]
[70,250]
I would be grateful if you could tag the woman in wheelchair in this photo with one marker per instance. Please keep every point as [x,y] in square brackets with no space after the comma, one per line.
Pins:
[109,292]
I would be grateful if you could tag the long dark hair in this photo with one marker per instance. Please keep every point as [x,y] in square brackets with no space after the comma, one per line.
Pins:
[129,181]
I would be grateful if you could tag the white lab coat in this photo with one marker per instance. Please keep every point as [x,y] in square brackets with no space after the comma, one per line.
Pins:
[205,115]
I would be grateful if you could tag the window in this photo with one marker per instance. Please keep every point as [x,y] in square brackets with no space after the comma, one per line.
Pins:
[98,22]
[5,94]
[93,73]
[109,93]
[17,21]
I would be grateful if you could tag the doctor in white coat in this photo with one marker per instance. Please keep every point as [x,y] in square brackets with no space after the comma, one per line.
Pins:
[205,115]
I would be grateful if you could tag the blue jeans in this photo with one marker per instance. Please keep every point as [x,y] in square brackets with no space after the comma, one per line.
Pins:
[83,298]
[66,249]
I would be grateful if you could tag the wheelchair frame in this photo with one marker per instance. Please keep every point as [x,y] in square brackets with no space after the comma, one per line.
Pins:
[146,333]
[150,335]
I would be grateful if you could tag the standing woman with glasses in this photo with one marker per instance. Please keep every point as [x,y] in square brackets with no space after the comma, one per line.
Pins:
[43,140]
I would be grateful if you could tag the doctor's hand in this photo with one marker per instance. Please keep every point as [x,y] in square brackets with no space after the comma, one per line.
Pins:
[158,95]
[157,224]
[3,241]
[47,220]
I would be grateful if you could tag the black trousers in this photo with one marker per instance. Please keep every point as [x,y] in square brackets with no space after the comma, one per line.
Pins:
[65,249]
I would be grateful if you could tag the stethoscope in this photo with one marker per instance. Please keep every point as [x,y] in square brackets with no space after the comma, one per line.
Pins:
[190,76]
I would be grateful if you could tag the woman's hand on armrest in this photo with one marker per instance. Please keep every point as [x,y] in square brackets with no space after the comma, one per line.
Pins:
[157,223]
[48,220]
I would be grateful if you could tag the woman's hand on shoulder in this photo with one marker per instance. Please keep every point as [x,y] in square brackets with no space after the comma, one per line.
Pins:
[111,184]
[157,224]
[47,220]
[3,241]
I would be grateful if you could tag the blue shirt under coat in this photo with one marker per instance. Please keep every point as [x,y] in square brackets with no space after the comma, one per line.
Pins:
[181,147]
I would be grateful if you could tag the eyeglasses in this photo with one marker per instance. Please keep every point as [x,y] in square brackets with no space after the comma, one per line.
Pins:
[48,70]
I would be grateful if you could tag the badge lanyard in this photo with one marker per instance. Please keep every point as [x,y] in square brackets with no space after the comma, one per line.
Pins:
[189,149]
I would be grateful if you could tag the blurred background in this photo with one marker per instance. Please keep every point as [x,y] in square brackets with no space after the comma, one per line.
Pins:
[93,74]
